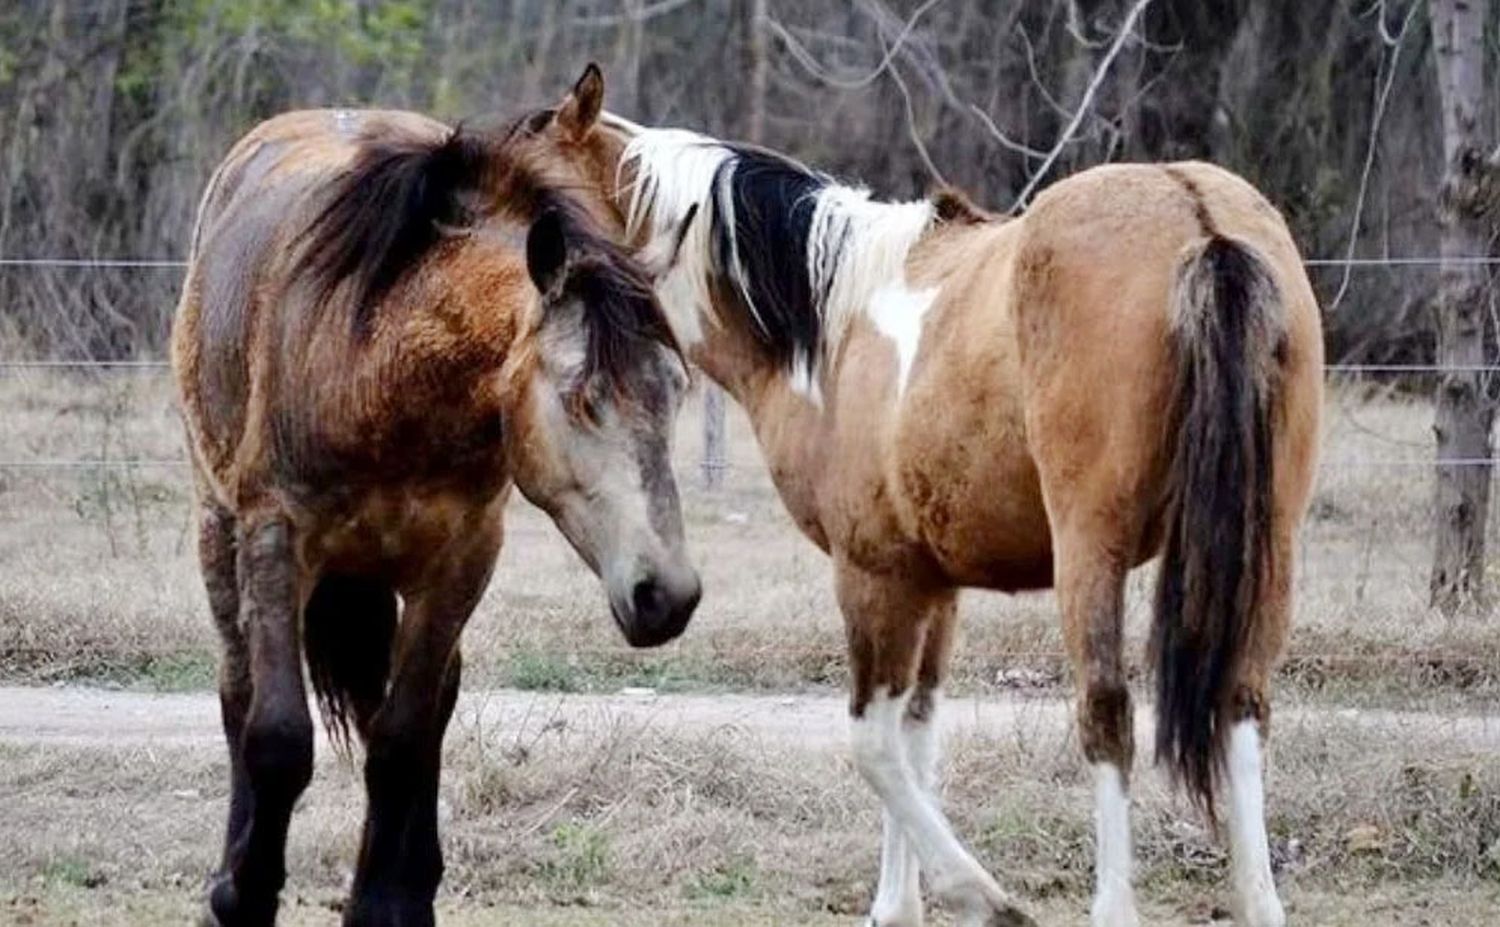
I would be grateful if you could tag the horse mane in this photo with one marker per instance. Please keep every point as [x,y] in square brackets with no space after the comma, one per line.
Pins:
[801,252]
[762,205]
[401,195]
[387,210]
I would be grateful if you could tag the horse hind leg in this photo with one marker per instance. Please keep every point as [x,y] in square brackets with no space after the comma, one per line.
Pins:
[887,621]
[276,743]
[1255,900]
[1090,588]
[216,555]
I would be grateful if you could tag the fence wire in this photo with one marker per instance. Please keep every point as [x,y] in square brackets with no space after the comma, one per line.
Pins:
[1351,369]
[172,264]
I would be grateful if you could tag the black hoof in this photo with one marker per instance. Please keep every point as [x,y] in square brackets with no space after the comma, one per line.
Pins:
[227,909]
[389,913]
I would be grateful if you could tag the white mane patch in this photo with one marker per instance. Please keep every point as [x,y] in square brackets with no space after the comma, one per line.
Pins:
[857,247]
[674,171]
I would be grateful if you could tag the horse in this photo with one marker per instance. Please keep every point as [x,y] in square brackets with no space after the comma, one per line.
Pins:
[947,398]
[386,323]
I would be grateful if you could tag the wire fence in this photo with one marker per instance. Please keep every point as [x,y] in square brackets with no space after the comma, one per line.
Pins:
[1336,369]
[174,264]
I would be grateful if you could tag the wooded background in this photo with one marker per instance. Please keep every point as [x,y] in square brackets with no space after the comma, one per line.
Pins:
[113,112]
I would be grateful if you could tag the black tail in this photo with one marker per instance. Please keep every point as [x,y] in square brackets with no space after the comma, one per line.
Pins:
[1228,336]
[347,631]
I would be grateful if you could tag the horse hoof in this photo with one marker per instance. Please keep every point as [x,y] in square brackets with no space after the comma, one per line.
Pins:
[226,908]
[223,902]
[389,913]
[1264,911]
[207,918]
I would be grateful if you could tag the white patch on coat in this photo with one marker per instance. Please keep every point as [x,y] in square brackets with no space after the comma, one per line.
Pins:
[898,899]
[803,379]
[898,313]
[1114,899]
[346,122]
[1249,853]
[856,247]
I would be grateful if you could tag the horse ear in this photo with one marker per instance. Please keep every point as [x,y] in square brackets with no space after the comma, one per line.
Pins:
[546,251]
[581,107]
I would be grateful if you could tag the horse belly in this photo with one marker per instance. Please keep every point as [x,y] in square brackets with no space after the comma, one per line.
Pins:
[968,485]
[991,531]
[401,533]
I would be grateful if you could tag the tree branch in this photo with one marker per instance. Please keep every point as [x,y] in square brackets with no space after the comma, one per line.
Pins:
[1095,82]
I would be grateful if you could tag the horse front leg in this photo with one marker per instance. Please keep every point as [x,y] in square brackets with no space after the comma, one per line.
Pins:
[898,898]
[400,858]
[888,621]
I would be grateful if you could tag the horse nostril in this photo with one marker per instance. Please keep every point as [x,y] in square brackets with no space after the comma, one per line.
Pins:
[648,601]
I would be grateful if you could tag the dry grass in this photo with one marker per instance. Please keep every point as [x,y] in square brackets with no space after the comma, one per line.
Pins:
[589,817]
[98,579]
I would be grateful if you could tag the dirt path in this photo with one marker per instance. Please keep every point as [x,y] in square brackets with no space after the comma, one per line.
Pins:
[74,716]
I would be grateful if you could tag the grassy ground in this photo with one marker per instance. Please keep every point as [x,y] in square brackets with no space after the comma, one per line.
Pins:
[568,807]
[1428,905]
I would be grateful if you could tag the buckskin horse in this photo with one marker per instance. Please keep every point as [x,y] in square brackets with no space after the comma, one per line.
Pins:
[946,398]
[364,369]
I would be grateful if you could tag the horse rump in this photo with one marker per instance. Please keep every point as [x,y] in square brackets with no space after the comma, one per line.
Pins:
[1228,336]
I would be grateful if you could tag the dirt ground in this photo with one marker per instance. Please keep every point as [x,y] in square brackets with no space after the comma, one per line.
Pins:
[114,801]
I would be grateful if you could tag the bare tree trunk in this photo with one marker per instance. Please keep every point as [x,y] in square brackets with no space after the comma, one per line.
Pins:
[1463,415]
[714,457]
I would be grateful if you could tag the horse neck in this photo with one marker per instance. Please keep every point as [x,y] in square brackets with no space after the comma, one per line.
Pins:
[787,417]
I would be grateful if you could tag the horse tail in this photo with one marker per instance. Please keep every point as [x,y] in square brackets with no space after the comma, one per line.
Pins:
[1227,335]
[348,628]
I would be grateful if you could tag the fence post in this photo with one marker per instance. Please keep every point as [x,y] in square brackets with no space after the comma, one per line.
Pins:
[714,463]
[1463,414]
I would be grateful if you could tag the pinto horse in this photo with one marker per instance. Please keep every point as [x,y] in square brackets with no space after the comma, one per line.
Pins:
[365,369]
[946,398]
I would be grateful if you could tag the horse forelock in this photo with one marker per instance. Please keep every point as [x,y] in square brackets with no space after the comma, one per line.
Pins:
[803,254]
[621,315]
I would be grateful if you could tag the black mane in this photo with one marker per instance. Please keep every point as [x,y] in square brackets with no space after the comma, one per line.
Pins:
[390,207]
[387,210]
[762,204]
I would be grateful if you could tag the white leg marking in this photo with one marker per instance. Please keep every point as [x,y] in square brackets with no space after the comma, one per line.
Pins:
[953,873]
[1114,900]
[1250,855]
[898,901]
